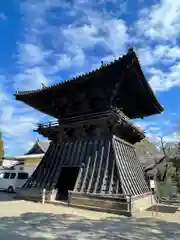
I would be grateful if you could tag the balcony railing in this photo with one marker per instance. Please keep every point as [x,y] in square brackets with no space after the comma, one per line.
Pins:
[87,117]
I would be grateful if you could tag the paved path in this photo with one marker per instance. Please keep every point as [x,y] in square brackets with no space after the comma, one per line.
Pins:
[20,220]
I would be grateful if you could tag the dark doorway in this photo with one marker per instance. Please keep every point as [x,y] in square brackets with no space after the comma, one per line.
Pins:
[66,181]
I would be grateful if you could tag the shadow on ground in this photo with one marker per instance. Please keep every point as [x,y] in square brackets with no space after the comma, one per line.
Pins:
[6,197]
[67,227]
[163,208]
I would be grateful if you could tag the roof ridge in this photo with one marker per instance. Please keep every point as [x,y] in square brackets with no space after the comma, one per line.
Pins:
[116,60]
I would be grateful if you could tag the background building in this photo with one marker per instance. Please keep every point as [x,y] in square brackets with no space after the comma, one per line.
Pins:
[29,160]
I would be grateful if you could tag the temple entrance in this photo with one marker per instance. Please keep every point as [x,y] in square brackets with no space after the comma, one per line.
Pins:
[66,181]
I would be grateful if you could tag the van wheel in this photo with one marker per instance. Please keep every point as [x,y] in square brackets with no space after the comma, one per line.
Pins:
[10,189]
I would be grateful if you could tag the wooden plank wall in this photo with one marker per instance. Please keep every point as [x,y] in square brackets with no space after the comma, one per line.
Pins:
[130,169]
[99,174]
[109,167]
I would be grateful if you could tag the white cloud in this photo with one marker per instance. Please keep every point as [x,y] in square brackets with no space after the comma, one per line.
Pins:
[174,53]
[31,78]
[155,130]
[3,95]
[159,29]
[99,30]
[146,56]
[156,138]
[16,123]
[32,54]
[86,36]
[117,37]
[65,44]
[6,113]
[32,68]
[164,54]
[73,56]
[162,21]
[160,128]
[174,137]
[17,129]
[164,80]
[111,34]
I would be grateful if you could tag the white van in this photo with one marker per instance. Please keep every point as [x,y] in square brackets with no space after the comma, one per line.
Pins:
[12,179]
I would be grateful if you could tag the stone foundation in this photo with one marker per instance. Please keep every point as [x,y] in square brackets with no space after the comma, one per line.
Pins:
[142,202]
[103,203]
[35,194]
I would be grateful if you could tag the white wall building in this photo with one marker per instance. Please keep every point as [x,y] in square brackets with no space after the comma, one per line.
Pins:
[29,160]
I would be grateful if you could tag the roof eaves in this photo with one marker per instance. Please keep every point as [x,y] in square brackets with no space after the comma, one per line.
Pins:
[41,147]
[158,105]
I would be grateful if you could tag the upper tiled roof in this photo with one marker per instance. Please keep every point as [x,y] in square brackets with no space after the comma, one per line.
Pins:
[125,73]
[82,77]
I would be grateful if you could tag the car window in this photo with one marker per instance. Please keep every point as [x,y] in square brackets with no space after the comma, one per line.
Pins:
[1,175]
[6,175]
[13,175]
[22,175]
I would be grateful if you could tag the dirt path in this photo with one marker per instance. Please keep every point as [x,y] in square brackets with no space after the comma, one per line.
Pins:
[26,220]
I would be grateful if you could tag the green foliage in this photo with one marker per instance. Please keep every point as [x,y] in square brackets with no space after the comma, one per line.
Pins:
[166,172]
[176,163]
[176,178]
[170,171]
[159,174]
[165,188]
[172,168]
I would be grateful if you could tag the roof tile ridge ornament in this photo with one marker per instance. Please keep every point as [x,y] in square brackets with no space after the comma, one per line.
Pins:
[102,64]
[131,50]
[74,78]
[43,86]
[41,147]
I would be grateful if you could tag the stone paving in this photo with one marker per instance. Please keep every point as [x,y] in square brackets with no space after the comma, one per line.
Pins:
[21,220]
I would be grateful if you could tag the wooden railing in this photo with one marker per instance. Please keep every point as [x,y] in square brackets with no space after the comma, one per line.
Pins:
[87,117]
[49,124]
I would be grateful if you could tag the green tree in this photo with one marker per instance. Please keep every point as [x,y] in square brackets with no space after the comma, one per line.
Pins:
[173,153]
[1,148]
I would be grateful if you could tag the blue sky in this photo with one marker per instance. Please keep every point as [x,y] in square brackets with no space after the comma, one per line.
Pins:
[50,41]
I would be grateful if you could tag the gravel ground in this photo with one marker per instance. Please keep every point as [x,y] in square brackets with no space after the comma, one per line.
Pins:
[21,220]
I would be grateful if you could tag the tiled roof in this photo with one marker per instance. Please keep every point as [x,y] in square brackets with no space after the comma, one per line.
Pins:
[119,79]
[123,62]
[82,77]
[44,144]
[39,147]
